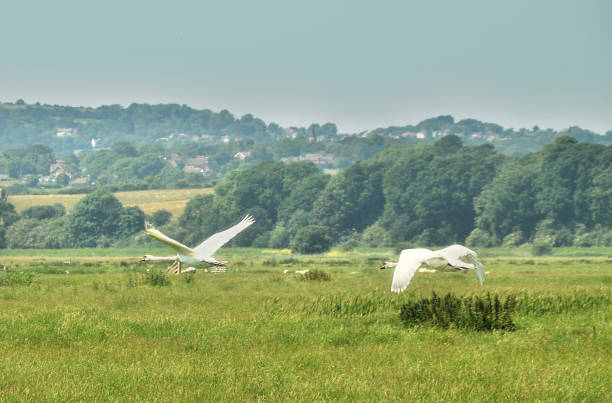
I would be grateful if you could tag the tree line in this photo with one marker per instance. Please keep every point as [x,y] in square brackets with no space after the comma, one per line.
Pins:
[418,194]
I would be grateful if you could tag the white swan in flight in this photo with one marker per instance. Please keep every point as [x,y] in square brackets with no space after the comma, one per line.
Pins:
[203,253]
[411,259]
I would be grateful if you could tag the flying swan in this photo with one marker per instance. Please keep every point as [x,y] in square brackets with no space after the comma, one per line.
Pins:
[203,253]
[411,259]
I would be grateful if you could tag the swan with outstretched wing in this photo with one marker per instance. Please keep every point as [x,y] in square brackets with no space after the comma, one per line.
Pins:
[201,254]
[412,259]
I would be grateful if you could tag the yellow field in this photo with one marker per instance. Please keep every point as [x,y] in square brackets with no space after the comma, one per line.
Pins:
[173,200]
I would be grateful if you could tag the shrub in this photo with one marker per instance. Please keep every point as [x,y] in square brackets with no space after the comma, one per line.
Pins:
[376,236]
[349,241]
[513,239]
[317,275]
[312,239]
[157,278]
[477,313]
[541,248]
[481,238]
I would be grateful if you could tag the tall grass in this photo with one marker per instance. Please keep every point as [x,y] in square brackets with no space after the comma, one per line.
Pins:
[101,332]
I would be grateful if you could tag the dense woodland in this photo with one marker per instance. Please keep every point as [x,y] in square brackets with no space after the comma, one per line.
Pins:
[417,194]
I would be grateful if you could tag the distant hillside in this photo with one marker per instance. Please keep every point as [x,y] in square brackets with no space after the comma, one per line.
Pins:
[67,129]
[472,131]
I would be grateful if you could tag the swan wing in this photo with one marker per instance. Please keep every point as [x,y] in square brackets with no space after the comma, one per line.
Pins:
[212,244]
[453,255]
[410,260]
[176,245]
[479,271]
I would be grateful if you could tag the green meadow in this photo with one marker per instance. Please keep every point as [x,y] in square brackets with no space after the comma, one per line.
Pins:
[89,325]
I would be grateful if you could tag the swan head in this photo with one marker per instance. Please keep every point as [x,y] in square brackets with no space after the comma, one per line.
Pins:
[145,258]
[387,265]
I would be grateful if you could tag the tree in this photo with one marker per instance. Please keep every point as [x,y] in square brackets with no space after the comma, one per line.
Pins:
[44,212]
[125,149]
[448,145]
[131,221]
[312,239]
[96,215]
[353,199]
[62,179]
[160,217]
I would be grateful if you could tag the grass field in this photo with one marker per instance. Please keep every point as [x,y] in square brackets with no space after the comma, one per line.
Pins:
[102,333]
[173,200]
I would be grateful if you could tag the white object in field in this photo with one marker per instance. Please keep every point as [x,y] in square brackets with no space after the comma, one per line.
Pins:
[201,254]
[302,272]
[412,259]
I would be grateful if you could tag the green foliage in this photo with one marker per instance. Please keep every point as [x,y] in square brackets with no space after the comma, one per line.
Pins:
[32,159]
[541,248]
[100,220]
[352,200]
[125,149]
[549,193]
[515,238]
[97,214]
[348,326]
[479,238]
[157,278]
[429,196]
[376,236]
[16,278]
[44,212]
[160,217]
[477,313]
[316,275]
[261,191]
[312,239]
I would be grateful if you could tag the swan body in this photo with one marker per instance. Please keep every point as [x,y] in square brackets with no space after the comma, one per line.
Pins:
[201,254]
[412,259]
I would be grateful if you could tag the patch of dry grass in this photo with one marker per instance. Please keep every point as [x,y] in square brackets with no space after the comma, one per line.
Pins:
[173,200]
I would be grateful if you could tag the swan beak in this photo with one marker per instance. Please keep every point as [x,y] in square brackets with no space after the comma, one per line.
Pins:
[142,259]
[382,267]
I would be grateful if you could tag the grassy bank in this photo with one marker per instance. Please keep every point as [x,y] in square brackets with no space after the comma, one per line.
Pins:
[253,333]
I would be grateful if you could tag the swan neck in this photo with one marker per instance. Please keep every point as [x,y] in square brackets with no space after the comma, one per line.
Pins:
[161,258]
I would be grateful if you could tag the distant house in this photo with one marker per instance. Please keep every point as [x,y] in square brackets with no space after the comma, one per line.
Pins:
[57,168]
[62,132]
[242,155]
[198,161]
[439,133]
[196,170]
[317,159]
[291,133]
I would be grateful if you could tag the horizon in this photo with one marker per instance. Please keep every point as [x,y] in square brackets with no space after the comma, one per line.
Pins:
[517,65]
[267,122]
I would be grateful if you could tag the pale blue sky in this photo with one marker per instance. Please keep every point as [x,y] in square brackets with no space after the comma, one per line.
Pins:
[359,64]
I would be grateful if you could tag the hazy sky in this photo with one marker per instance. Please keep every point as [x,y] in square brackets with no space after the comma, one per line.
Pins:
[359,64]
